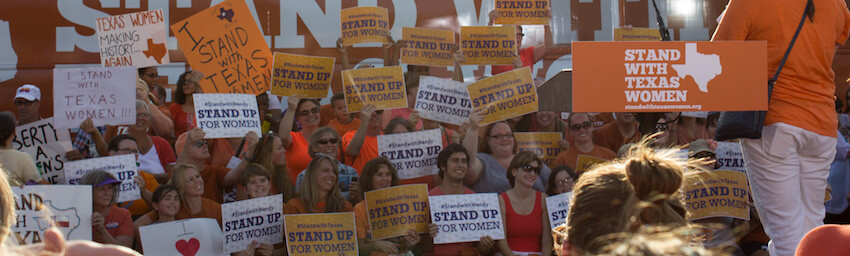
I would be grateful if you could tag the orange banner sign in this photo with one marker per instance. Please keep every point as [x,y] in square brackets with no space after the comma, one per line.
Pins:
[669,76]
[225,44]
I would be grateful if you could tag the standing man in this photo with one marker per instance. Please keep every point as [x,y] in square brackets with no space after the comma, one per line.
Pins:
[789,165]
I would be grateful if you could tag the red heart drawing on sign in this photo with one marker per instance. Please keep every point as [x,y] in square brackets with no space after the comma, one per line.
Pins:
[188,248]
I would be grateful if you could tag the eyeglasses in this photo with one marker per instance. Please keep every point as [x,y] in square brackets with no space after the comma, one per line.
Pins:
[142,115]
[25,103]
[662,127]
[314,110]
[585,125]
[328,141]
[529,168]
[502,136]
[129,150]
[200,143]
[564,182]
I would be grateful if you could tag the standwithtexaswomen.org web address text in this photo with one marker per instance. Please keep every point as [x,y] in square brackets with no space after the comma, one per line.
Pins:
[654,106]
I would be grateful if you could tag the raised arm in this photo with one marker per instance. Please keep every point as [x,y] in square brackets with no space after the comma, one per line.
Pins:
[99,143]
[288,120]
[541,50]
[470,142]
[234,175]
[353,148]
[343,52]
[458,58]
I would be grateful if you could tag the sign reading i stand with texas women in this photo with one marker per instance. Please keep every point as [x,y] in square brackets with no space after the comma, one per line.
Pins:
[133,39]
[443,100]
[223,115]
[107,95]
[47,147]
[466,218]
[414,154]
[257,219]
[38,208]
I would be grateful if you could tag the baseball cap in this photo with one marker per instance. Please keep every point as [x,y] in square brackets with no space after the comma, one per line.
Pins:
[28,92]
[698,146]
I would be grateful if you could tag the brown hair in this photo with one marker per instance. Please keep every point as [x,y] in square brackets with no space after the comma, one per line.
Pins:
[396,122]
[484,144]
[253,170]
[371,168]
[308,192]
[318,134]
[279,173]
[521,159]
[178,178]
[7,207]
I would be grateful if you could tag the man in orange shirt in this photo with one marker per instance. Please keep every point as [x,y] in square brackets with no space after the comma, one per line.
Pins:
[581,128]
[789,165]
[362,145]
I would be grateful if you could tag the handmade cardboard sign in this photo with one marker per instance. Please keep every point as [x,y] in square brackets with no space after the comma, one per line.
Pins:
[196,236]
[46,145]
[716,194]
[523,12]
[302,75]
[637,34]
[227,115]
[504,96]
[321,234]
[395,210]
[225,44]
[429,47]
[364,25]
[38,208]
[488,45]
[730,157]
[382,87]
[443,100]
[669,76]
[558,207]
[414,154]
[466,218]
[544,144]
[258,219]
[133,39]
[122,167]
[107,95]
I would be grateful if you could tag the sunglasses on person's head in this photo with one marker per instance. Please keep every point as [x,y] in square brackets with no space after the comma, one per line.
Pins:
[314,110]
[585,125]
[200,143]
[529,168]
[326,141]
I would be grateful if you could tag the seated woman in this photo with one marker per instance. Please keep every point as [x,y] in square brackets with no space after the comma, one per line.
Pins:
[165,203]
[320,193]
[110,224]
[326,141]
[269,153]
[190,184]
[379,173]
[561,180]
[524,209]
[255,183]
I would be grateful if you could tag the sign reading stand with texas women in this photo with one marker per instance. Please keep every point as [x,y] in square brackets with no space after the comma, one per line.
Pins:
[669,76]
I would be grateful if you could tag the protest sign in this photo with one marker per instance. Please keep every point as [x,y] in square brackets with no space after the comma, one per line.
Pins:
[504,96]
[225,44]
[133,39]
[428,47]
[558,207]
[395,210]
[38,208]
[730,157]
[196,236]
[523,12]
[382,87]
[123,167]
[414,154]
[488,45]
[258,219]
[227,115]
[443,100]
[466,218]
[46,145]
[364,25]
[669,76]
[716,194]
[544,144]
[584,162]
[107,95]
[637,34]
[302,75]
[321,234]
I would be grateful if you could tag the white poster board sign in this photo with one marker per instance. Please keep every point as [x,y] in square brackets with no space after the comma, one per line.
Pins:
[47,147]
[122,166]
[39,207]
[227,115]
[443,100]
[258,219]
[558,206]
[133,39]
[414,154]
[106,94]
[198,236]
[466,218]
[730,157]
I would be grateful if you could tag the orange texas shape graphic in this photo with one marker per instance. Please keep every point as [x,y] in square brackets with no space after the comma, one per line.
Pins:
[157,51]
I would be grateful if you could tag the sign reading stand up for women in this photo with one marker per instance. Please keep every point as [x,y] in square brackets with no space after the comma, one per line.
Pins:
[122,167]
[227,115]
[443,100]
[382,87]
[321,234]
[414,154]
[523,12]
[305,76]
[558,207]
[258,219]
[364,25]
[466,218]
[504,96]
[428,46]
[106,95]
[488,45]
[544,144]
[395,210]
[46,145]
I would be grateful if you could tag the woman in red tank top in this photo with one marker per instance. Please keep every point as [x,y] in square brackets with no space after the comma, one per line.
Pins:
[524,212]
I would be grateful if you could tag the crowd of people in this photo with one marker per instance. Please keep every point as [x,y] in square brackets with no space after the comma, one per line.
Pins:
[322,159]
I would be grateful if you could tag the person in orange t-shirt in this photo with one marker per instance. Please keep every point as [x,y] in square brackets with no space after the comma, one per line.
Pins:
[528,56]
[319,193]
[581,127]
[196,153]
[343,122]
[296,143]
[615,134]
[191,187]
[788,166]
[362,145]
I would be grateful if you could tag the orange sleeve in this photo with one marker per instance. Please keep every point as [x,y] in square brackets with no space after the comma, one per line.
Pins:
[736,21]
[842,38]
[361,220]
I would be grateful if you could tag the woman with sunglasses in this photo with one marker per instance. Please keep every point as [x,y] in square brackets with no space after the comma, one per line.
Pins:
[524,211]
[583,152]
[326,141]
[497,148]
[319,192]
[308,113]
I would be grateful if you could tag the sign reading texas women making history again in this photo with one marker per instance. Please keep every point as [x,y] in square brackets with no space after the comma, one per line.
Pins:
[669,76]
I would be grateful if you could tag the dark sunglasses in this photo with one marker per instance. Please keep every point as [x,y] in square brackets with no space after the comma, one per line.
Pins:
[326,141]
[701,155]
[314,110]
[529,168]
[585,125]
[662,127]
